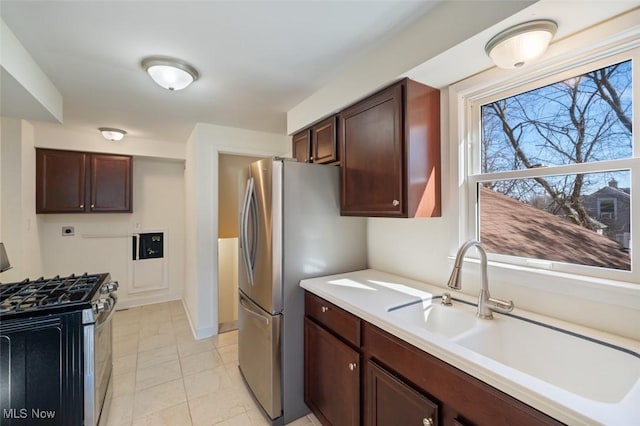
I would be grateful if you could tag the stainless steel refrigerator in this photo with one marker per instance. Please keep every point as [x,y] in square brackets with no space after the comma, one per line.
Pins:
[290,229]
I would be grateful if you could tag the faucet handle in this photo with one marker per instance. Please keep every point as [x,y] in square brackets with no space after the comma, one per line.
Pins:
[446,299]
[502,306]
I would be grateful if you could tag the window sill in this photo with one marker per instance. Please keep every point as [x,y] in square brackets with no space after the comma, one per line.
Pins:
[611,292]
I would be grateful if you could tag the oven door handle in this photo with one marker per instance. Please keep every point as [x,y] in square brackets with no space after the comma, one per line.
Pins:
[113,300]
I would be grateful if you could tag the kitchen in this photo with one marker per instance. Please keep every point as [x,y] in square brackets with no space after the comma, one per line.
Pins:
[186,174]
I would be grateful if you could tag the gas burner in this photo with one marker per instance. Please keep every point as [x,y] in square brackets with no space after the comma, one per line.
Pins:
[43,293]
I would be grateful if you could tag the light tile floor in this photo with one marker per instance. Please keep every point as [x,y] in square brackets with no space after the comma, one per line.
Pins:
[163,376]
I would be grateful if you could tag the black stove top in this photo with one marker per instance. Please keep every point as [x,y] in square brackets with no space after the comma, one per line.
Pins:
[47,295]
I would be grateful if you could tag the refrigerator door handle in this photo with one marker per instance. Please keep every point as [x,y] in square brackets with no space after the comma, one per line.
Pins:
[244,222]
[253,212]
[251,312]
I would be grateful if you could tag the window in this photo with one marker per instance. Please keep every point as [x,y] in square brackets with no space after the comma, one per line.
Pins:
[550,180]
[606,208]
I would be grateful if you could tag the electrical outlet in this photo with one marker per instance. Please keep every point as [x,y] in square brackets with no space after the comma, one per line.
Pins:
[68,231]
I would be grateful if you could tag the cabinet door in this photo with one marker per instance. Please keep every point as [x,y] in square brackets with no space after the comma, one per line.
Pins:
[60,181]
[110,183]
[302,146]
[331,377]
[390,402]
[371,136]
[324,141]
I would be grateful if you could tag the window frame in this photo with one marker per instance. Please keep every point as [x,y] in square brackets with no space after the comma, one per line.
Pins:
[470,173]
[614,203]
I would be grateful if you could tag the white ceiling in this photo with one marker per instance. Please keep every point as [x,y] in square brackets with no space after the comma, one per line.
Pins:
[256,59]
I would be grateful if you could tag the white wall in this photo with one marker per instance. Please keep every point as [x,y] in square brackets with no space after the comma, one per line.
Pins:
[27,91]
[422,249]
[56,136]
[429,37]
[206,142]
[102,242]
[19,228]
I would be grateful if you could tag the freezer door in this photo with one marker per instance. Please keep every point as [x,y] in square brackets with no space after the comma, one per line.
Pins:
[259,355]
[260,275]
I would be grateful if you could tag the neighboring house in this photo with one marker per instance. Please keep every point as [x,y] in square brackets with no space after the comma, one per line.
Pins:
[611,206]
[514,228]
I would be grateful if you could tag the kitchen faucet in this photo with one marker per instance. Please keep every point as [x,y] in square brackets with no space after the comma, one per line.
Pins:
[486,304]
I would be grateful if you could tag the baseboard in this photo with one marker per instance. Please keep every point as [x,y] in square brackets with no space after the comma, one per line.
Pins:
[150,300]
[202,332]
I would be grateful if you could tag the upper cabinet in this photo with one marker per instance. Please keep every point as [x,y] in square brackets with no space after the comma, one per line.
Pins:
[318,143]
[324,141]
[302,146]
[78,182]
[110,183]
[390,153]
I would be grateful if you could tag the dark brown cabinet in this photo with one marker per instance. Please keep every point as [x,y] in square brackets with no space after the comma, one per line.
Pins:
[332,365]
[110,183]
[302,146]
[390,401]
[318,143]
[463,399]
[324,141]
[79,182]
[400,384]
[390,153]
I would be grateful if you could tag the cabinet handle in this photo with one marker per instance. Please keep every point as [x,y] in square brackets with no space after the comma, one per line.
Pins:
[395,203]
[324,309]
[352,366]
[93,205]
[82,206]
[311,158]
[427,421]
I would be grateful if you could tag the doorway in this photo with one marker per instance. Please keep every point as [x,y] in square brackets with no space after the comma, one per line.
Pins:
[231,185]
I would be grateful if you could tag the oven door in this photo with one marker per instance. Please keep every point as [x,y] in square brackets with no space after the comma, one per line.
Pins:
[98,357]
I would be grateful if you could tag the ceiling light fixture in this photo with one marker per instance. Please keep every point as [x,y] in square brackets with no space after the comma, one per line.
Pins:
[518,45]
[111,133]
[170,73]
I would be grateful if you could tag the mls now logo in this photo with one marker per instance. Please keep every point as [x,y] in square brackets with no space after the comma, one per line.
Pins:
[23,413]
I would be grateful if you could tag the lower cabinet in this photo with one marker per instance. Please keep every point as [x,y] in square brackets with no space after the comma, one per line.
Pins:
[331,377]
[399,384]
[390,402]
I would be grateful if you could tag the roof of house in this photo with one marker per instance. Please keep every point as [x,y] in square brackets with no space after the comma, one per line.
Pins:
[610,191]
[514,228]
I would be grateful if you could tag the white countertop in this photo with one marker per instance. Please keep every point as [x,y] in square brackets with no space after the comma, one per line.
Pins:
[369,294]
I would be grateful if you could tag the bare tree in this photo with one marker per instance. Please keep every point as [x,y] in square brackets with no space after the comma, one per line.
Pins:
[573,121]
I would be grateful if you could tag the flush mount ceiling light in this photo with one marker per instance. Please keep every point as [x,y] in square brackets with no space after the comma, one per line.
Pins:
[170,73]
[112,134]
[521,44]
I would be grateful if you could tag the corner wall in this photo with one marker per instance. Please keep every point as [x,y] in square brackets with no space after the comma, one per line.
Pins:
[102,242]
[207,141]
[19,228]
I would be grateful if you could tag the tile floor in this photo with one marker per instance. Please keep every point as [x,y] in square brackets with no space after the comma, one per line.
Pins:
[163,376]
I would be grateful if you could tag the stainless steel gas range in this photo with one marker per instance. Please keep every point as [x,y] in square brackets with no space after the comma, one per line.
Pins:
[56,350]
